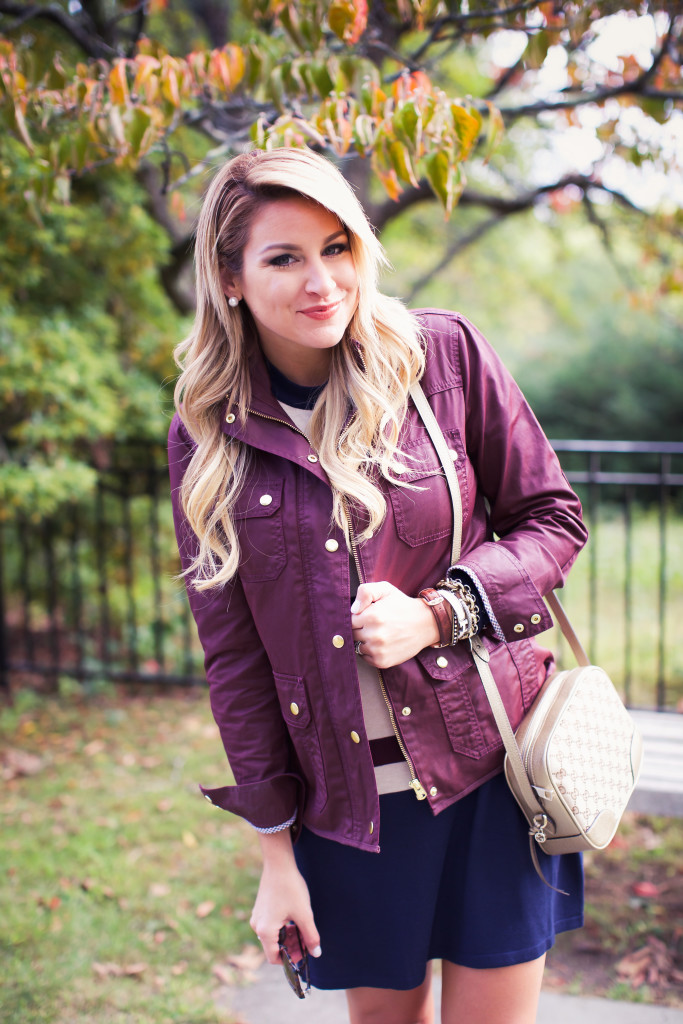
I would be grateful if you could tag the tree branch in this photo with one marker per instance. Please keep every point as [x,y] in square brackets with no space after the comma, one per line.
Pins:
[452,251]
[91,44]
[502,207]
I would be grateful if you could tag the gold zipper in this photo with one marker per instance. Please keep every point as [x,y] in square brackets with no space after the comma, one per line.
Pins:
[285,423]
[415,784]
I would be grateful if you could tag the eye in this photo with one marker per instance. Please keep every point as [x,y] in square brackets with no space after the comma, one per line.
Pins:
[336,249]
[285,259]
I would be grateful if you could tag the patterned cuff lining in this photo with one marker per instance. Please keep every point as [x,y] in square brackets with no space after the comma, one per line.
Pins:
[466,571]
[275,828]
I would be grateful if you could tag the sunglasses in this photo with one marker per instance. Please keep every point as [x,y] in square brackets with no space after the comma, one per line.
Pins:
[294,957]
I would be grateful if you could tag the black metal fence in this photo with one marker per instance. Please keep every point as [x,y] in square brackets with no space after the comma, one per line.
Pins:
[91,594]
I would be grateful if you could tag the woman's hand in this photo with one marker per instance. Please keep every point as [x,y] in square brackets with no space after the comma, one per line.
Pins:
[282,897]
[391,626]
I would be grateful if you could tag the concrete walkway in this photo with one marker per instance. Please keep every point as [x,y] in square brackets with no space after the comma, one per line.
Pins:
[660,788]
[268,1000]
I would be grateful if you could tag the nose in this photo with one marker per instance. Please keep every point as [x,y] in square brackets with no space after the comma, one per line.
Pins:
[320,280]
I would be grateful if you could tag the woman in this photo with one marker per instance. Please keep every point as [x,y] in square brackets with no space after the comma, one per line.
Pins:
[311,512]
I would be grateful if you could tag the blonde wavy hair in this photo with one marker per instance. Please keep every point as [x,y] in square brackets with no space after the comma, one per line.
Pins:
[214,363]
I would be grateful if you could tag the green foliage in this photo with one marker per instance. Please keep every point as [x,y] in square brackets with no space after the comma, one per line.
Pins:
[86,333]
[593,339]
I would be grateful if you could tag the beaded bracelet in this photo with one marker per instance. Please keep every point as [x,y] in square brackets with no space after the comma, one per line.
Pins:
[469,602]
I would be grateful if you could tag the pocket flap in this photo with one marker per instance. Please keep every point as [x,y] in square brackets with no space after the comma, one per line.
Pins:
[261,500]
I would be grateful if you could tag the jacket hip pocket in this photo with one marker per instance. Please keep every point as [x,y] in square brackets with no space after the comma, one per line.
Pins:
[296,712]
[465,709]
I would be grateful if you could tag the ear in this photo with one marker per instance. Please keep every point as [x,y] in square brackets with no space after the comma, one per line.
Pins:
[230,283]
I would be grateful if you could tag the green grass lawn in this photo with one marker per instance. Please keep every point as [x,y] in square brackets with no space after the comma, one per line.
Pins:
[121,890]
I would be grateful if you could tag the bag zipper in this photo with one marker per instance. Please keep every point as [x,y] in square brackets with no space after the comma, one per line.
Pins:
[415,784]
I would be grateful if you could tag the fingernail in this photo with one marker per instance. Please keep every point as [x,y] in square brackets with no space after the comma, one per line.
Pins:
[317,951]
[355,607]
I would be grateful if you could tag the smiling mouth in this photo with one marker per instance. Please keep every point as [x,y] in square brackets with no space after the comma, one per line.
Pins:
[321,312]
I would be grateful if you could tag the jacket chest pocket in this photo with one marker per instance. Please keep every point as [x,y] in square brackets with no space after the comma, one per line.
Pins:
[425,514]
[258,519]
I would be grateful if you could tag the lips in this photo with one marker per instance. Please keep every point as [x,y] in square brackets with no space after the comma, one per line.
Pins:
[321,312]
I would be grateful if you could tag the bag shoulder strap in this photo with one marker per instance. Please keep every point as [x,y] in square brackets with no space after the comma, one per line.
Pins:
[438,440]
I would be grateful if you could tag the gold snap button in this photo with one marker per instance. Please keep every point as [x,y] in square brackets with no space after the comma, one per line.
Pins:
[406,711]
[294,708]
[354,736]
[312,458]
[518,628]
[266,499]
[454,454]
[230,418]
[338,641]
[433,791]
[536,619]
[372,827]
[331,545]
[442,662]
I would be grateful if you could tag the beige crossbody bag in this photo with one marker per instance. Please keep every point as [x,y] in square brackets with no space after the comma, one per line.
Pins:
[574,761]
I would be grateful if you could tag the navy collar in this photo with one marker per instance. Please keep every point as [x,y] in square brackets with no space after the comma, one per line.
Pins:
[299,396]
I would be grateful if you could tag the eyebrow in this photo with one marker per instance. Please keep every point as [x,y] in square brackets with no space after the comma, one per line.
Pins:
[290,245]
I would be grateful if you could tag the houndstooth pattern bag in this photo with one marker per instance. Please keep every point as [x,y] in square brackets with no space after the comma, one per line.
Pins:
[575,759]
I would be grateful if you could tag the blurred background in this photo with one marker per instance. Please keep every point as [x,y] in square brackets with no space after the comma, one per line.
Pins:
[522,163]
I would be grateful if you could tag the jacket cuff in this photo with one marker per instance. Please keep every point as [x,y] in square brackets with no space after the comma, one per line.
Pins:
[266,804]
[514,605]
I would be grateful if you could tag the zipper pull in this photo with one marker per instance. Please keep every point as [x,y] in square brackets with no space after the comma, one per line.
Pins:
[418,789]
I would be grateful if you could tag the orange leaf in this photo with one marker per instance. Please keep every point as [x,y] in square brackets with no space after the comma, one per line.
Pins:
[118,83]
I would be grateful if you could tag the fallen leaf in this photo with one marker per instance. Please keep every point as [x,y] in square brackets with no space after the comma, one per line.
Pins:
[224,974]
[205,908]
[646,890]
[132,970]
[17,762]
[249,960]
[189,840]
[93,748]
[159,889]
[179,968]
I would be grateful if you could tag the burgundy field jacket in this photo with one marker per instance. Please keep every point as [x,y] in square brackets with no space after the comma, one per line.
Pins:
[279,652]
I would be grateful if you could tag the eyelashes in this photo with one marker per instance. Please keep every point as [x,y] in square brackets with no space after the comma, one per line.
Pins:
[286,259]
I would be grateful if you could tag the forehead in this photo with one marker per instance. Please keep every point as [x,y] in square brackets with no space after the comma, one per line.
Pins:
[292,219]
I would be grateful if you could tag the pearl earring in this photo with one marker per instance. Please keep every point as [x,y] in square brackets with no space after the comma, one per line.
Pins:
[233,301]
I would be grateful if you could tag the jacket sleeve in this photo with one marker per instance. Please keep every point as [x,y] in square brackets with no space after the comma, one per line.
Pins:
[242,689]
[533,510]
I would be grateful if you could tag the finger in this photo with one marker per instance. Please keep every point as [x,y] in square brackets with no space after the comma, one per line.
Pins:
[310,935]
[368,593]
[270,948]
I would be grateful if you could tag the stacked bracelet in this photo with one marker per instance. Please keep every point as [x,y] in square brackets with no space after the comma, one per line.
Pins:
[464,605]
[443,614]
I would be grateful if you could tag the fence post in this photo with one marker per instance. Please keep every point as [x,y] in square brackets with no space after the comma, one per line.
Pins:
[4,652]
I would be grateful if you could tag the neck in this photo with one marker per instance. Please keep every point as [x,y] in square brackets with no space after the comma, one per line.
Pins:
[313,371]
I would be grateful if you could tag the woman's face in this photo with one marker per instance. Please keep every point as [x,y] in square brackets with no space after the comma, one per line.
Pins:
[300,284]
